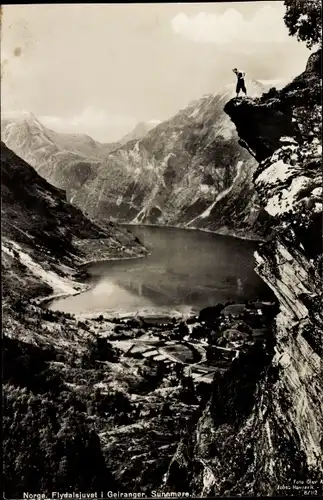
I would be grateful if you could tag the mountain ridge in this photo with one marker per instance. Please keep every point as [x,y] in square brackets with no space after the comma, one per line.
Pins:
[183,172]
[138,132]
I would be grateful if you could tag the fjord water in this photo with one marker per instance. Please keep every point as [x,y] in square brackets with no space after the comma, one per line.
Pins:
[185,271]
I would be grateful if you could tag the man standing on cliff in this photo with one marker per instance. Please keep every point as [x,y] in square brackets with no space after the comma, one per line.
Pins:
[240,82]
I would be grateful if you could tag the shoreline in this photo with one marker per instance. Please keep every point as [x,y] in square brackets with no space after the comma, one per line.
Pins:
[86,287]
[46,301]
[146,315]
[94,261]
[219,232]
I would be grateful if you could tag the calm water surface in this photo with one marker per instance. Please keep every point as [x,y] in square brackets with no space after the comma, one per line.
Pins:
[186,271]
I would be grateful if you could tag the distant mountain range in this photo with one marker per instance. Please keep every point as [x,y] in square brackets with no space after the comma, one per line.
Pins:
[188,171]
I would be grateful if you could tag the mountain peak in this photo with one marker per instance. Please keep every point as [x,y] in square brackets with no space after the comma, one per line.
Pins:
[140,130]
[21,115]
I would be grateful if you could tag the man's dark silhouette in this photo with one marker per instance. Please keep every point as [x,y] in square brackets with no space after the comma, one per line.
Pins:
[240,82]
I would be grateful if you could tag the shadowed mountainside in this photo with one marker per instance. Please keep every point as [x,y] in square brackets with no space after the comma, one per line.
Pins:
[37,221]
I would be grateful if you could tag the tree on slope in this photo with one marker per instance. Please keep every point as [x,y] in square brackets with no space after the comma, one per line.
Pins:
[303,18]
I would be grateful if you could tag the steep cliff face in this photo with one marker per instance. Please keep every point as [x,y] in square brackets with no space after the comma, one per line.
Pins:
[264,436]
[189,171]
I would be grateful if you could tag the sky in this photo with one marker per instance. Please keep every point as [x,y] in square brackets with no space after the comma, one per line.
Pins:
[101,68]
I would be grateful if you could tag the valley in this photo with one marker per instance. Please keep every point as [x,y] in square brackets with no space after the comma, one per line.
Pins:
[141,357]
[130,400]
[188,171]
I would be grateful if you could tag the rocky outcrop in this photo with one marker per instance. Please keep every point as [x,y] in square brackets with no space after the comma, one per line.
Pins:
[271,443]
